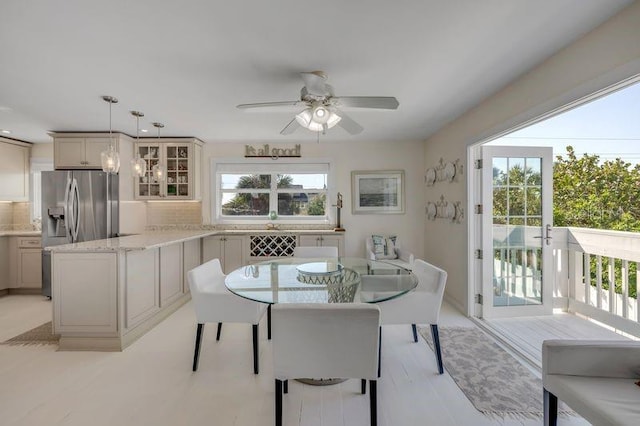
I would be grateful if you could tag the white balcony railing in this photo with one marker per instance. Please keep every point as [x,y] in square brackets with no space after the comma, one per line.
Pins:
[586,261]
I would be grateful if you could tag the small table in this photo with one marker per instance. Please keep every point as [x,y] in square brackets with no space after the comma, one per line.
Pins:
[330,280]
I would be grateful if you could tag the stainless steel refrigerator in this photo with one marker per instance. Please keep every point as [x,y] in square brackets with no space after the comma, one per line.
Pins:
[77,206]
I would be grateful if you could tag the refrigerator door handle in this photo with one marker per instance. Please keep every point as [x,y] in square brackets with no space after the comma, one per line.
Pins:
[68,215]
[75,197]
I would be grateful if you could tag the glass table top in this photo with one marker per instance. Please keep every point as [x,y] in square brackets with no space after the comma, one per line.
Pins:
[319,280]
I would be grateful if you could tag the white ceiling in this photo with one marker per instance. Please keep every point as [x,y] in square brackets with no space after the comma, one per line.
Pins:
[188,63]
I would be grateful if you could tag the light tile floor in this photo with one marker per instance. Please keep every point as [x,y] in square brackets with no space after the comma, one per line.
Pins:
[151,382]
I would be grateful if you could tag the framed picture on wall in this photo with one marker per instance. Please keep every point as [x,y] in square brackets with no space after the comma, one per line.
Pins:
[377,192]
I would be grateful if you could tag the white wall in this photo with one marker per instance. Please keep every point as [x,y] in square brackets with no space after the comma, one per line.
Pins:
[609,54]
[345,157]
[42,150]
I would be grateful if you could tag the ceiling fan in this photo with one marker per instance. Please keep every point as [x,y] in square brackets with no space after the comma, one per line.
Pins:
[321,107]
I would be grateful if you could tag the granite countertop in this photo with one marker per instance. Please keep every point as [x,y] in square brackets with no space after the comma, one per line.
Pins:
[142,241]
[277,231]
[160,238]
[20,233]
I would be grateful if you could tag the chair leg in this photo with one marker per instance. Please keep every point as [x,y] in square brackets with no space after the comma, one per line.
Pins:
[373,401]
[196,352]
[269,322]
[436,343]
[278,402]
[550,408]
[219,331]
[363,386]
[415,332]
[285,386]
[379,350]
[255,348]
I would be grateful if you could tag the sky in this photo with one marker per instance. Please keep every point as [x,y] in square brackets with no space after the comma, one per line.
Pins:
[608,127]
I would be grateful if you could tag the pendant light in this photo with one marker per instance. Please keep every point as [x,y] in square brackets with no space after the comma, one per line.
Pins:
[110,158]
[138,165]
[159,171]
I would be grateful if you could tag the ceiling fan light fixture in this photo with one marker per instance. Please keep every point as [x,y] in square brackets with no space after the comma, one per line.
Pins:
[308,118]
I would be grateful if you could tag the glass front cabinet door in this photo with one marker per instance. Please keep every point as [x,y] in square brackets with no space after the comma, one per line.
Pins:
[179,175]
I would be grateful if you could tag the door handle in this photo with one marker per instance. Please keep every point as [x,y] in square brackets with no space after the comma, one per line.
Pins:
[68,215]
[547,235]
[75,208]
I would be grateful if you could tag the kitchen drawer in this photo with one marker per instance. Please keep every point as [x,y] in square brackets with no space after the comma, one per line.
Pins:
[29,242]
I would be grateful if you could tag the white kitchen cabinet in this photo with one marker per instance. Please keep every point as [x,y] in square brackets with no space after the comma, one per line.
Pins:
[85,295]
[4,265]
[323,240]
[25,263]
[142,290]
[181,159]
[230,249]
[191,257]
[30,262]
[80,152]
[14,170]
[170,274]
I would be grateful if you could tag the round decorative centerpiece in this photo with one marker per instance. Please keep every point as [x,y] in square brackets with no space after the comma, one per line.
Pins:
[319,272]
[341,282]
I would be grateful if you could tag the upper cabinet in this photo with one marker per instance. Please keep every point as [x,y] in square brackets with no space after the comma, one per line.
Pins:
[180,158]
[14,170]
[82,150]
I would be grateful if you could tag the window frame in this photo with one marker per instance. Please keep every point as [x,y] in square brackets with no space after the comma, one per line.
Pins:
[272,167]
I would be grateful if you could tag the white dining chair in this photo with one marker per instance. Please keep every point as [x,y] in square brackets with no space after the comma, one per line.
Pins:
[420,306]
[214,303]
[325,340]
[315,251]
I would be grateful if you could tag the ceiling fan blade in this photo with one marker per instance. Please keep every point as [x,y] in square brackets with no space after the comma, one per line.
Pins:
[380,102]
[270,104]
[315,82]
[291,127]
[348,124]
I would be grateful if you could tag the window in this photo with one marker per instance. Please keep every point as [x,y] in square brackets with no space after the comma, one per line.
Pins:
[251,192]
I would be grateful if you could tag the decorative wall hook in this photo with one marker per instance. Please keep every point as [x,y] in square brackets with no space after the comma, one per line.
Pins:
[443,172]
[443,209]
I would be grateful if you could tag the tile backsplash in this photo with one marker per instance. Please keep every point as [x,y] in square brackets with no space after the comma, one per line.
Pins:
[174,212]
[6,213]
[21,213]
[15,216]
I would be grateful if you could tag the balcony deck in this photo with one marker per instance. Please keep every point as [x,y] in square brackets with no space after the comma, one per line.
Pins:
[526,334]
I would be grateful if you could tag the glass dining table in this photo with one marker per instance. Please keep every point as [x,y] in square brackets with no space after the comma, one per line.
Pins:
[320,280]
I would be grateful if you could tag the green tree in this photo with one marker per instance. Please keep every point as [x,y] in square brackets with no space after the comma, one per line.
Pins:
[252,204]
[589,193]
[316,205]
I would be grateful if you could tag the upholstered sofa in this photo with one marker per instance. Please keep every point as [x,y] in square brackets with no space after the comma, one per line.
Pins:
[597,379]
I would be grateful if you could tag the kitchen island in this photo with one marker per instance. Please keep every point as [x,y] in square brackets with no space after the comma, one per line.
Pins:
[108,293]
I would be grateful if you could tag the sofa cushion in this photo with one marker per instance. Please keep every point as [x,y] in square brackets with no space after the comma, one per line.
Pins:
[384,247]
[600,400]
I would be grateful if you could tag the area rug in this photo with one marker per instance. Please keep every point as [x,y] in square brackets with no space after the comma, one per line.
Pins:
[41,335]
[494,381]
